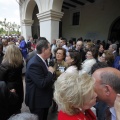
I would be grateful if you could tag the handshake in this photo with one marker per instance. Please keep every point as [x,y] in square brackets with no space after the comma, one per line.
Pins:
[51,69]
[51,65]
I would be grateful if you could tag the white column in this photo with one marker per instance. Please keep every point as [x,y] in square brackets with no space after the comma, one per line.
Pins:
[26,28]
[49,24]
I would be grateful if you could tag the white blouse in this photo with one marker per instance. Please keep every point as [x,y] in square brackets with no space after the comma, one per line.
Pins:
[87,65]
[72,69]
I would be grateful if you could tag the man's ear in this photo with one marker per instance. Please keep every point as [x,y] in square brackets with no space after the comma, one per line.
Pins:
[73,61]
[108,89]
[43,50]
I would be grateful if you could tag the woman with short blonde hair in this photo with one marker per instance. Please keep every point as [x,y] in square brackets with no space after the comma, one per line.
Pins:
[75,96]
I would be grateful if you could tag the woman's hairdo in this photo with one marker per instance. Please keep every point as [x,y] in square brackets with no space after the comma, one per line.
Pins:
[72,91]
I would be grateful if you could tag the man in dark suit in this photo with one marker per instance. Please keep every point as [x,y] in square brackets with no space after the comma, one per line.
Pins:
[39,81]
[79,48]
[113,49]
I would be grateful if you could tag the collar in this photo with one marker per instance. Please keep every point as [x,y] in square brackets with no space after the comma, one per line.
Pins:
[114,51]
[77,50]
[112,110]
[41,58]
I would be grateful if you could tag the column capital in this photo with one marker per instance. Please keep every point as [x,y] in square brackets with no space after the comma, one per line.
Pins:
[27,22]
[50,15]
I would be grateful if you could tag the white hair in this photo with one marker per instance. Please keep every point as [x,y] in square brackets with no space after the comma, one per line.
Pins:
[114,46]
[24,116]
[73,91]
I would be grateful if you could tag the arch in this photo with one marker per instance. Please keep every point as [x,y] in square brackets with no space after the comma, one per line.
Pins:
[29,7]
[35,26]
[57,5]
[114,31]
[43,5]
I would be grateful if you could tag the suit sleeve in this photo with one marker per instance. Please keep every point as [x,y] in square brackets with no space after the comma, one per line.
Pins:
[41,79]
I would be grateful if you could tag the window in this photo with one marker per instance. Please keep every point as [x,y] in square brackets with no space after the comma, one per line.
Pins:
[76,17]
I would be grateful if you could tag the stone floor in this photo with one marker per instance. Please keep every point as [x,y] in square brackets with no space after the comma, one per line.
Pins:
[51,116]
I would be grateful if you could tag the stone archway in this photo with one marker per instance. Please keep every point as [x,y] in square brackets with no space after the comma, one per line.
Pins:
[29,6]
[48,16]
[35,25]
[28,9]
[114,32]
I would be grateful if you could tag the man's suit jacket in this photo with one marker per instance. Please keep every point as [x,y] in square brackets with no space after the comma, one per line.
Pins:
[82,54]
[39,83]
[115,54]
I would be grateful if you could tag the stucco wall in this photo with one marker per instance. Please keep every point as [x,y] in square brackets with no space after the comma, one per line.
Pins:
[95,20]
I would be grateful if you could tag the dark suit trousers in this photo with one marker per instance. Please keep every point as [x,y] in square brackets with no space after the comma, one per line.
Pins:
[42,113]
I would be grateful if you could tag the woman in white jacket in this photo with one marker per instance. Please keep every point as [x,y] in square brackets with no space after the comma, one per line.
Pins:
[87,64]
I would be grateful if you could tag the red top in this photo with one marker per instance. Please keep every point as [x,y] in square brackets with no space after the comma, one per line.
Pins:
[89,115]
[33,46]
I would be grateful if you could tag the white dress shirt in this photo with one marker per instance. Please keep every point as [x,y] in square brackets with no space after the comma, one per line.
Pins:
[113,113]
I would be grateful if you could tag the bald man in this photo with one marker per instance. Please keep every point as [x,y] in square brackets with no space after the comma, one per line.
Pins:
[79,48]
[107,86]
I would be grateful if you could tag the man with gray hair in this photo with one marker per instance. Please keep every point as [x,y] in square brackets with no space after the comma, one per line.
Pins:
[24,116]
[79,48]
[39,81]
[63,44]
[107,86]
[113,49]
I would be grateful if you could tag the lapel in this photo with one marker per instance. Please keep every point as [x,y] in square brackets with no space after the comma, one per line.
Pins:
[42,63]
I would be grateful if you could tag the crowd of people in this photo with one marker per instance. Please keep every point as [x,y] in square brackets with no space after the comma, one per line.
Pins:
[78,79]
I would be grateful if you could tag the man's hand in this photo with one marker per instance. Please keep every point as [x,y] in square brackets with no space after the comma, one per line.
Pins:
[117,106]
[51,69]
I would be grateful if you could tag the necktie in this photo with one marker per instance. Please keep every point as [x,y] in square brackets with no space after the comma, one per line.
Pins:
[107,114]
[46,65]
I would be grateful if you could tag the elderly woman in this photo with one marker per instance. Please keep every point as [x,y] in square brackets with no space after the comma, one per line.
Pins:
[60,66]
[88,46]
[75,96]
[11,73]
[24,116]
[87,64]
[107,57]
[73,61]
